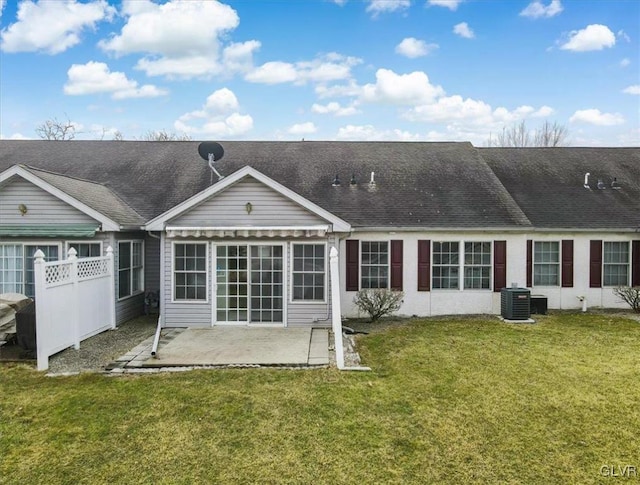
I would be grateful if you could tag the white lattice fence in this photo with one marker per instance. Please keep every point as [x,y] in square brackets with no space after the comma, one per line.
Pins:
[75,299]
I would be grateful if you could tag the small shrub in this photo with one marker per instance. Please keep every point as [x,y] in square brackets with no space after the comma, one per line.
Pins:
[630,295]
[378,303]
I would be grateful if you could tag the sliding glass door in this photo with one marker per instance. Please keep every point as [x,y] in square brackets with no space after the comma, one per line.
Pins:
[249,284]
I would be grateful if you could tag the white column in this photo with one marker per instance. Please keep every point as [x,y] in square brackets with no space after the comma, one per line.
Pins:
[41,322]
[336,317]
[72,257]
[112,287]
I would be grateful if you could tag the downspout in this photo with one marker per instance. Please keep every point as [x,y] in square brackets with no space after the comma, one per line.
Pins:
[156,339]
[336,315]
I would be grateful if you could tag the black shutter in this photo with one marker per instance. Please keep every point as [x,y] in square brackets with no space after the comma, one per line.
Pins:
[499,265]
[635,263]
[424,265]
[595,264]
[396,265]
[529,263]
[567,263]
[352,265]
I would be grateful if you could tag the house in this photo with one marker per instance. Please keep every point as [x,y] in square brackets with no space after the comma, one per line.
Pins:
[447,223]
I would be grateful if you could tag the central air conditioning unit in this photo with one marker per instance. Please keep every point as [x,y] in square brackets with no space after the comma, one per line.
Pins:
[515,303]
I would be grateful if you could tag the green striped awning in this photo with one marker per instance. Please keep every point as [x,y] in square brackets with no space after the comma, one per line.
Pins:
[48,230]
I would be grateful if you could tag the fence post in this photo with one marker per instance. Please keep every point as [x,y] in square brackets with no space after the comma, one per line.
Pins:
[72,257]
[336,316]
[41,317]
[112,287]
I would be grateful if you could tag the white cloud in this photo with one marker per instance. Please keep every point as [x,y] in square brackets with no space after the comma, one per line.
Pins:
[450,4]
[634,89]
[543,112]
[15,136]
[595,117]
[2,4]
[302,129]
[52,26]
[330,67]
[181,38]
[340,2]
[377,7]
[95,77]
[463,30]
[623,35]
[412,48]
[334,108]
[625,62]
[218,117]
[370,133]
[537,9]
[593,37]
[351,89]
[403,89]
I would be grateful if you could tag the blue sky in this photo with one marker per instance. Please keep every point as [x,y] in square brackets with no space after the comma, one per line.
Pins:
[432,70]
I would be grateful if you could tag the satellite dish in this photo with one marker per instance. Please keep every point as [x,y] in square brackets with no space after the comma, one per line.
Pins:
[210,151]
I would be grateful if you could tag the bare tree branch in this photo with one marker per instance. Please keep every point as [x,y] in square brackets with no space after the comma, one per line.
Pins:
[163,135]
[53,129]
[519,136]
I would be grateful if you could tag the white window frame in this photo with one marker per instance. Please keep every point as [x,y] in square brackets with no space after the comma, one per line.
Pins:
[605,264]
[326,272]
[208,276]
[463,254]
[361,265]
[557,264]
[24,245]
[461,264]
[131,268]
[74,244]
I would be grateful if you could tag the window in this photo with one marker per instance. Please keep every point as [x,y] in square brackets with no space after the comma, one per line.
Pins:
[86,249]
[375,264]
[130,268]
[477,265]
[16,266]
[11,268]
[546,263]
[308,272]
[616,264]
[190,271]
[446,265]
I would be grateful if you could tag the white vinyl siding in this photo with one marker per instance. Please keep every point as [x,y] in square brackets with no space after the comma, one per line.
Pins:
[546,263]
[615,264]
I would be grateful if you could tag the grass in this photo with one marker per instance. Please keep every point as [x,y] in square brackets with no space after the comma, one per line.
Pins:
[468,400]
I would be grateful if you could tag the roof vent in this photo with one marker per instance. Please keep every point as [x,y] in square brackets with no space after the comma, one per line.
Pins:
[615,185]
[373,179]
[601,185]
[586,180]
[353,179]
[336,181]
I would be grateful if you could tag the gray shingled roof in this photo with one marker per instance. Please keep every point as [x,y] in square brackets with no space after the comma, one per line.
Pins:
[96,196]
[547,183]
[417,184]
[420,185]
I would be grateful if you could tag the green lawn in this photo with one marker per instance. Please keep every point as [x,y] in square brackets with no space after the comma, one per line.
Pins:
[448,401]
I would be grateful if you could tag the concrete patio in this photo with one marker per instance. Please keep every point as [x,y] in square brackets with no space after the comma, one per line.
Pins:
[232,346]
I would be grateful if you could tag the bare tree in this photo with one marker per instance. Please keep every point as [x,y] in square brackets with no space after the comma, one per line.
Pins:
[118,136]
[519,136]
[54,129]
[163,135]
[551,135]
